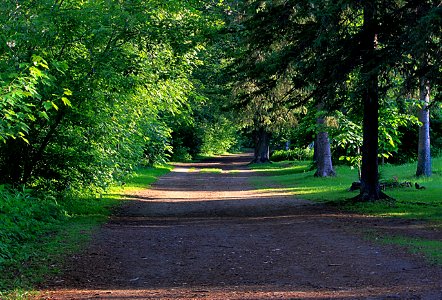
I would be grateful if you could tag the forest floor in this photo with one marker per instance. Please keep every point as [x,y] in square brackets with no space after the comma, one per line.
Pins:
[203,232]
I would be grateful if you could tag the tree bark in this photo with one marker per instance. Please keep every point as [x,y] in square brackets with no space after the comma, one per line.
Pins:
[262,146]
[324,166]
[11,168]
[423,153]
[370,187]
[36,156]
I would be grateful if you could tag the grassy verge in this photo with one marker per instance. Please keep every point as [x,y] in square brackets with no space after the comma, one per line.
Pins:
[211,170]
[295,177]
[37,254]
[424,204]
[431,249]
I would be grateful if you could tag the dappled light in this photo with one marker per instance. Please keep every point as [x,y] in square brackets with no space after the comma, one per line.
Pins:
[245,292]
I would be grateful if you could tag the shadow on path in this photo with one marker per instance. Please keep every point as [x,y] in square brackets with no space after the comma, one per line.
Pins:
[212,236]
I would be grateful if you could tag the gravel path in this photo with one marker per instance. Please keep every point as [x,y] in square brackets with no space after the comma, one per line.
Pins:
[206,235]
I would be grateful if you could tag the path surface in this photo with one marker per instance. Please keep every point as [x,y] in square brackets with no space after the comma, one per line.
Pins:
[198,235]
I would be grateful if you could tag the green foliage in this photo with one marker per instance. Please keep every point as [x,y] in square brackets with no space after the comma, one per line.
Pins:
[297,154]
[21,101]
[24,216]
[348,135]
[90,90]
[219,137]
[349,55]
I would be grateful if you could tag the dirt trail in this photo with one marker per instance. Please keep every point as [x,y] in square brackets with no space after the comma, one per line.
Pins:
[199,235]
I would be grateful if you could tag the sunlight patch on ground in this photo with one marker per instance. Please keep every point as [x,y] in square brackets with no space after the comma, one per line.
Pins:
[239,292]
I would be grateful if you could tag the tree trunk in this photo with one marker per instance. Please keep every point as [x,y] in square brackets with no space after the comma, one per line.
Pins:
[324,166]
[262,146]
[36,156]
[370,187]
[11,168]
[423,153]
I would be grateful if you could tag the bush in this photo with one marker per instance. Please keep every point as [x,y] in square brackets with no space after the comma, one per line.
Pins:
[219,138]
[24,216]
[293,154]
[181,154]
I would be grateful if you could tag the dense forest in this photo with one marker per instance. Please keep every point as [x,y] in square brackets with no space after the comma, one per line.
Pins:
[91,90]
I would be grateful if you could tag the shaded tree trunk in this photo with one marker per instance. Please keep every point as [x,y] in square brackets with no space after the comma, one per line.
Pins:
[423,153]
[324,166]
[262,146]
[12,160]
[370,187]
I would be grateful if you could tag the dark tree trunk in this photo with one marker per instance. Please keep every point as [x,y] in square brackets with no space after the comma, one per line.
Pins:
[12,162]
[262,146]
[36,156]
[423,153]
[370,187]
[324,166]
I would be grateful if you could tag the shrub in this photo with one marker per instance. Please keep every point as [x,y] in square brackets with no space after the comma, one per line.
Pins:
[24,216]
[292,154]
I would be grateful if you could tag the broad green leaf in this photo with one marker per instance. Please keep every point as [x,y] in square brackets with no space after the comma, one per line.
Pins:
[43,114]
[47,105]
[66,101]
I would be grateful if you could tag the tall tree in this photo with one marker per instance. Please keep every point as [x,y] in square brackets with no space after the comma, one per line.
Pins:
[370,187]
[322,156]
[424,150]
[425,53]
[324,44]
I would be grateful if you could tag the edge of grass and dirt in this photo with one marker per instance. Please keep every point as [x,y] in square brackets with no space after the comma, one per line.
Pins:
[42,255]
[420,205]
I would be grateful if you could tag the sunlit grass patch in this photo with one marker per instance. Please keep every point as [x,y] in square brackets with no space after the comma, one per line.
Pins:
[296,178]
[143,177]
[431,249]
[211,170]
[282,167]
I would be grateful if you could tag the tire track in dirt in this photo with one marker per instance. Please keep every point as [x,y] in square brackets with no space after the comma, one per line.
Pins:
[198,235]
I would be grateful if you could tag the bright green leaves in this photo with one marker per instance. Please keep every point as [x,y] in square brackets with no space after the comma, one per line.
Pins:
[19,97]
[22,101]
[116,76]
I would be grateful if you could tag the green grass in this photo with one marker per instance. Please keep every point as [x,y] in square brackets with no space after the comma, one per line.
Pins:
[144,177]
[42,255]
[211,170]
[431,249]
[45,255]
[295,177]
